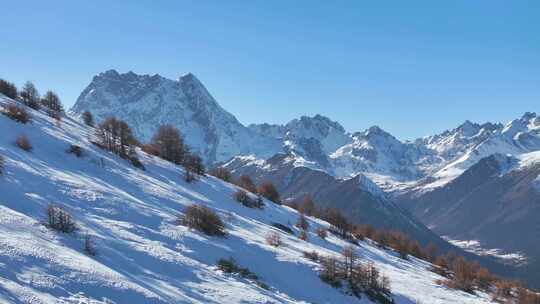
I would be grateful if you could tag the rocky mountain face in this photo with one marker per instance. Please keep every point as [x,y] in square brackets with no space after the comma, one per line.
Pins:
[145,102]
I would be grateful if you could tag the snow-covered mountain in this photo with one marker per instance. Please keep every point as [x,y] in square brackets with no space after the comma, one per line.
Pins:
[145,102]
[143,255]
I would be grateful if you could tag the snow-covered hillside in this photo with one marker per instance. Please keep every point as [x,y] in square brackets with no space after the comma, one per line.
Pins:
[143,255]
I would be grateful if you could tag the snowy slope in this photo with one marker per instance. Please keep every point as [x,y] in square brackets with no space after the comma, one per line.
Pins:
[143,256]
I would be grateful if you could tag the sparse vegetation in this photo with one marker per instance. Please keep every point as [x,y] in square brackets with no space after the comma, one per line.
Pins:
[283,228]
[24,143]
[274,239]
[189,176]
[150,149]
[525,296]
[88,118]
[230,266]
[269,191]
[59,219]
[303,235]
[52,103]
[322,233]
[194,164]
[307,206]
[247,183]
[312,255]
[116,136]
[339,223]
[9,89]
[221,173]
[359,277]
[245,199]
[302,222]
[75,150]
[169,144]
[203,219]
[17,113]
[89,245]
[2,163]
[30,96]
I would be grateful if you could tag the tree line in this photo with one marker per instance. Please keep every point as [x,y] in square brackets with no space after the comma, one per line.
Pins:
[29,96]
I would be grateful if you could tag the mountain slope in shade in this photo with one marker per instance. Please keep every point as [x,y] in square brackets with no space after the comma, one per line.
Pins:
[145,102]
[144,256]
[495,202]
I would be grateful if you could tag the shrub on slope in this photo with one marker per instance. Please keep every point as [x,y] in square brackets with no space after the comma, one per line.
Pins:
[203,219]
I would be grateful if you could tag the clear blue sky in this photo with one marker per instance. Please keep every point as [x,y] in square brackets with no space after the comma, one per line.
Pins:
[412,67]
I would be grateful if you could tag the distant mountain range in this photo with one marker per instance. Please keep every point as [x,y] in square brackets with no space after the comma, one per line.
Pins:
[474,182]
[146,102]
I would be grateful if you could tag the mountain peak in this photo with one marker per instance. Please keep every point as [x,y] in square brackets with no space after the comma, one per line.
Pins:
[468,128]
[189,77]
[319,120]
[145,102]
[528,116]
[376,130]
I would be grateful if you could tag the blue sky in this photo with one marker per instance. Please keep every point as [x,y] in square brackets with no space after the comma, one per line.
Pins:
[412,67]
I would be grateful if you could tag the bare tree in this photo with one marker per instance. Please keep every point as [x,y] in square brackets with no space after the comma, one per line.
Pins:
[338,221]
[17,113]
[194,164]
[302,222]
[9,89]
[349,260]
[30,95]
[307,206]
[89,245]
[116,136]
[59,219]
[24,143]
[170,144]
[247,183]
[53,104]
[273,238]
[221,173]
[268,190]
[203,219]
[88,118]
[2,163]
